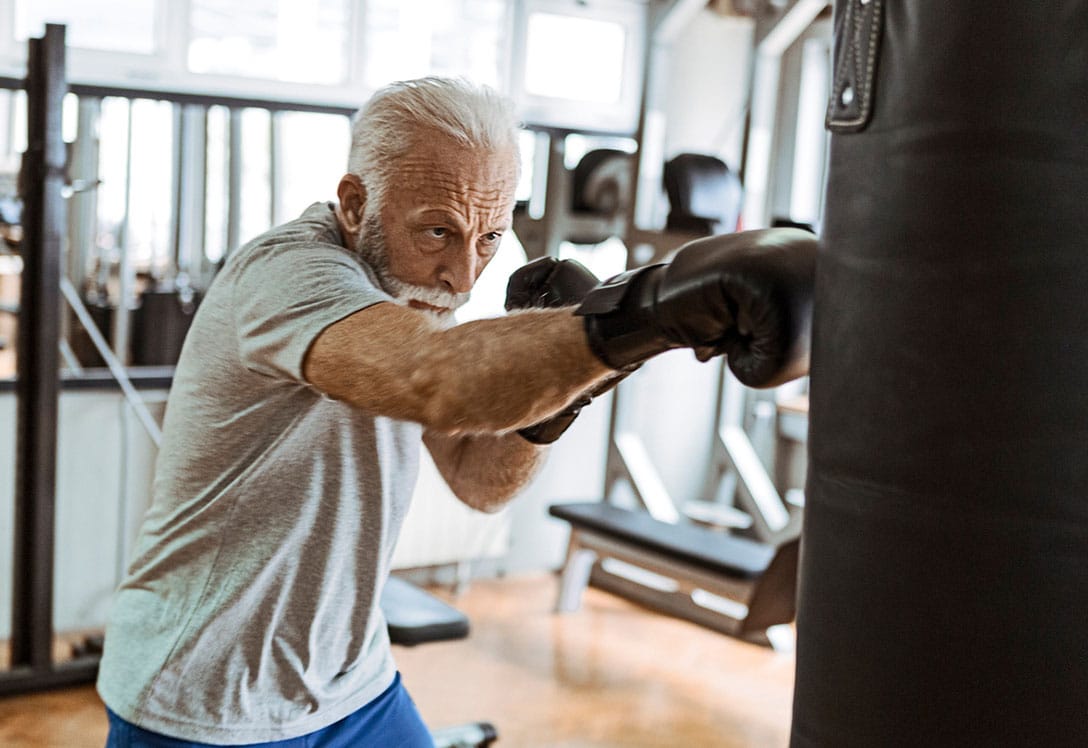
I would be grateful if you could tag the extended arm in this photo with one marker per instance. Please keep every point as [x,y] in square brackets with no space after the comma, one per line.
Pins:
[485,376]
[468,386]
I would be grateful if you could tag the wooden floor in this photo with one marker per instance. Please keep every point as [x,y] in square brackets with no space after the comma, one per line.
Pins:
[612,674]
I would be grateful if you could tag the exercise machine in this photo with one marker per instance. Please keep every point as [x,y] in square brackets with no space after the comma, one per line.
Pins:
[688,561]
[727,583]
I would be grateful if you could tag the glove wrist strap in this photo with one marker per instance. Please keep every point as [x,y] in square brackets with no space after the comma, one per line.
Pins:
[619,319]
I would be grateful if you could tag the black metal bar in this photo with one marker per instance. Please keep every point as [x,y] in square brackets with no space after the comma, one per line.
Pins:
[201,99]
[100,379]
[177,188]
[238,102]
[73,673]
[37,367]
[275,105]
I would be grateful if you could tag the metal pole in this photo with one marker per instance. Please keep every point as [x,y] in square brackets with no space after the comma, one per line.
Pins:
[37,380]
[275,167]
[122,315]
[234,183]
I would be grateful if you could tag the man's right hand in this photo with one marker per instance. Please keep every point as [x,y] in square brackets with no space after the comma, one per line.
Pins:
[747,295]
[547,283]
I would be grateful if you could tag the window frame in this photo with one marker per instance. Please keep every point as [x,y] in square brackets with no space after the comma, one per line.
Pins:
[166,70]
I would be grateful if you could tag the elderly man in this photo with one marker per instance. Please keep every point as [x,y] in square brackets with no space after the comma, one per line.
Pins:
[319,360]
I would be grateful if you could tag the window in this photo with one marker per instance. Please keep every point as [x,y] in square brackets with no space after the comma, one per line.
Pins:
[313,150]
[574,64]
[135,146]
[591,69]
[288,40]
[580,67]
[411,38]
[199,179]
[116,26]
[216,183]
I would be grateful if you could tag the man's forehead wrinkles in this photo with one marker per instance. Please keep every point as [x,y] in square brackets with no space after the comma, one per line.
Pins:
[456,196]
[428,175]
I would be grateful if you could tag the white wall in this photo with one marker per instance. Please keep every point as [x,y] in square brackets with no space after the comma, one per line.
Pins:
[104,464]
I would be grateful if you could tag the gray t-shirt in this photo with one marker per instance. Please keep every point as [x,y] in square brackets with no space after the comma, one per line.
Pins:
[250,611]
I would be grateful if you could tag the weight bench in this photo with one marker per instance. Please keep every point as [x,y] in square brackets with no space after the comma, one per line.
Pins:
[414,616]
[727,583]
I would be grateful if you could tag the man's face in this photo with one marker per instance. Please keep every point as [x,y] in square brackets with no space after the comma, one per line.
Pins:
[440,222]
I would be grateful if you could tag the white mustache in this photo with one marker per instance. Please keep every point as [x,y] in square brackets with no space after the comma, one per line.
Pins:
[435,297]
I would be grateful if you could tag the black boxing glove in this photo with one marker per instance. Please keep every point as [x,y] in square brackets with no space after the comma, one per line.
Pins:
[548,283]
[746,295]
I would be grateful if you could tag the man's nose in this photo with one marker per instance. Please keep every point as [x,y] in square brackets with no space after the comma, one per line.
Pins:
[461,270]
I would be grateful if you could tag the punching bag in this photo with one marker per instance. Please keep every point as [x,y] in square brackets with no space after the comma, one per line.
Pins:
[944,566]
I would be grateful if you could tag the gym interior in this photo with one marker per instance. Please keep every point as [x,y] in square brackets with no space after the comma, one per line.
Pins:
[694,565]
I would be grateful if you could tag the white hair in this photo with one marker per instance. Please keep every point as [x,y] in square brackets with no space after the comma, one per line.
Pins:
[390,123]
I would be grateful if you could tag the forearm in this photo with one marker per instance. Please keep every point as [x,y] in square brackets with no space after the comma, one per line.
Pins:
[486,376]
[485,470]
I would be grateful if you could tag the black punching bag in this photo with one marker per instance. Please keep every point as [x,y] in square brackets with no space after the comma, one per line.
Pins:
[944,567]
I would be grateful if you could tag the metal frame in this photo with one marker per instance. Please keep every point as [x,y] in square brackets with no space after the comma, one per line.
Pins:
[37,385]
[776,31]
[730,605]
[738,472]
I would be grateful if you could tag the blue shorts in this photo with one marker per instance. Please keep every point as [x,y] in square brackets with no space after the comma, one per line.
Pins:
[389,720]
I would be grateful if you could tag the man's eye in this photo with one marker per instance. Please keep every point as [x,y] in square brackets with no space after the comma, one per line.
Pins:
[492,237]
[438,232]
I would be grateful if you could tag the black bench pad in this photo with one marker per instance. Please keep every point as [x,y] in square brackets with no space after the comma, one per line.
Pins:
[702,547]
[415,616]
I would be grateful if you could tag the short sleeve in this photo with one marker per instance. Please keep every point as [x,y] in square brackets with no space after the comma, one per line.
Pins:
[286,295]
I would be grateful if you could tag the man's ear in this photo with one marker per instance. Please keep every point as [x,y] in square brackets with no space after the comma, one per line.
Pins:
[352,196]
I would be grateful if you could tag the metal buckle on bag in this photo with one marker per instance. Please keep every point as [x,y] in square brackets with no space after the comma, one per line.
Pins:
[857,44]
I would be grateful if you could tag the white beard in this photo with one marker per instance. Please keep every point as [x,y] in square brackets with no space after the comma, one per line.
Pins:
[372,248]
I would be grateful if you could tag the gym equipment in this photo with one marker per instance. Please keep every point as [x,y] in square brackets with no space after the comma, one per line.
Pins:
[160,323]
[704,195]
[730,584]
[584,205]
[414,616]
[944,569]
[652,565]
[594,201]
[601,185]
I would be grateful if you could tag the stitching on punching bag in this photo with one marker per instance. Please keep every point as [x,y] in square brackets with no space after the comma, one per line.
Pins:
[857,46]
